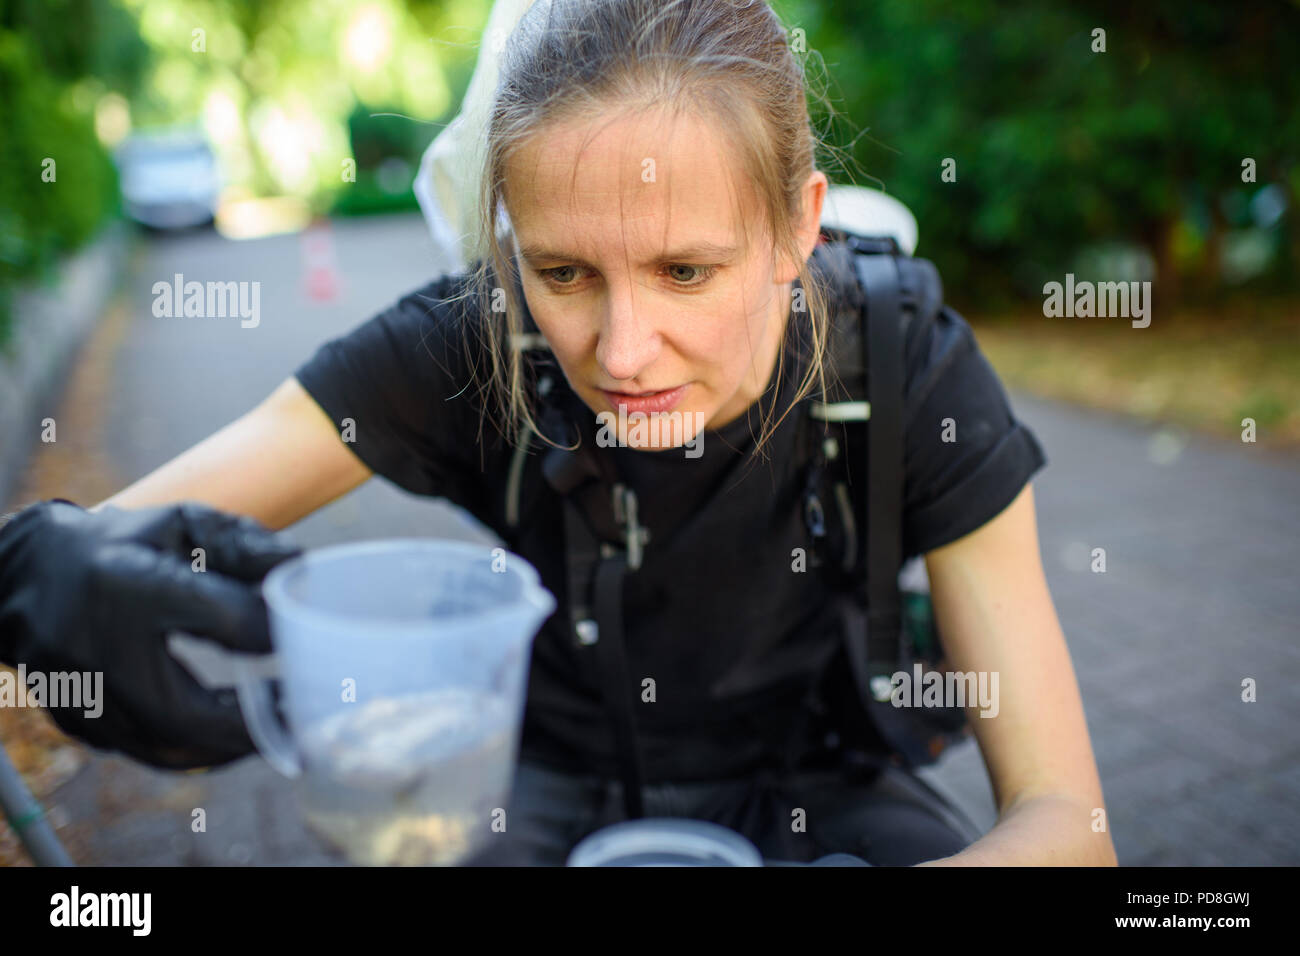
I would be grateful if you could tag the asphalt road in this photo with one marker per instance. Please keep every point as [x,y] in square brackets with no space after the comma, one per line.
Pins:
[1201,539]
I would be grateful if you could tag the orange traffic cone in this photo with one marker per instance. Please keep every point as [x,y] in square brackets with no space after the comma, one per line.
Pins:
[321,278]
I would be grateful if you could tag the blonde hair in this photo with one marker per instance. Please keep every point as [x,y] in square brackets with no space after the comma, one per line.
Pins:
[731,60]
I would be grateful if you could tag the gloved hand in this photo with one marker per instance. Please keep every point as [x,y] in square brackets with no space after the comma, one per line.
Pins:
[83,591]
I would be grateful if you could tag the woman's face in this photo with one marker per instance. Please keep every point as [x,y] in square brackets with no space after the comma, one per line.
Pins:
[641,279]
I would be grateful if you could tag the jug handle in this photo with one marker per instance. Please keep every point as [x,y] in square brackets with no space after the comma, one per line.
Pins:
[269,736]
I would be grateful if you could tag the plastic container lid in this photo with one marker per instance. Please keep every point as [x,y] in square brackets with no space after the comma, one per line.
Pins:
[665,841]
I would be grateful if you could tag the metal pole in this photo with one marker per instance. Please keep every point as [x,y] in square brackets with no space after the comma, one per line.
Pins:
[27,817]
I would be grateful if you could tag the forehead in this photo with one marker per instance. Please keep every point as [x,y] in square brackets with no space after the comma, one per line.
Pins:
[626,185]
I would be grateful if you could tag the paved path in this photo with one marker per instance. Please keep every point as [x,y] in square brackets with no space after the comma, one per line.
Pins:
[1201,539]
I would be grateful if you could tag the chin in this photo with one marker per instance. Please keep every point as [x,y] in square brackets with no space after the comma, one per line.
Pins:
[662,431]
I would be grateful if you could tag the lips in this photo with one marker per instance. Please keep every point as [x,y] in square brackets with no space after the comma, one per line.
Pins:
[648,403]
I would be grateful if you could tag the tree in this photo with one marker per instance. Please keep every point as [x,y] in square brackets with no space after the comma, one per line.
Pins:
[1056,143]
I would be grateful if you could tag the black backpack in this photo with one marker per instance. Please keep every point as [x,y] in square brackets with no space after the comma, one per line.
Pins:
[886,629]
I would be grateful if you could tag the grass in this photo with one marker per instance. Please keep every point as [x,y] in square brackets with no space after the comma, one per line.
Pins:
[1202,368]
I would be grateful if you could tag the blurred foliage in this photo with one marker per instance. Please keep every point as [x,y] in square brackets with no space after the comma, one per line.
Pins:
[57,182]
[387,148]
[1057,146]
[74,39]
[378,135]
[1066,159]
[273,83]
[279,85]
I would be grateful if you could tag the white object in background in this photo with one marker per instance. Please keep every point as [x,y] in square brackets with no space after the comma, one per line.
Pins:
[870,212]
[169,179]
[451,170]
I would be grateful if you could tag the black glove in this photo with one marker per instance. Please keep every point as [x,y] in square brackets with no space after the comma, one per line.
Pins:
[83,591]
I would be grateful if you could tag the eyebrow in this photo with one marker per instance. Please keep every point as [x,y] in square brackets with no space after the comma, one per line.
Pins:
[698,250]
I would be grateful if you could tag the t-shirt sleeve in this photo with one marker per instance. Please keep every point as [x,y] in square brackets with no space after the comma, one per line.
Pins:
[966,456]
[396,389]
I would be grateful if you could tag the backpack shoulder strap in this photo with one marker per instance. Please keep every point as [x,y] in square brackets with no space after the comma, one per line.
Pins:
[879,275]
[892,292]
[876,281]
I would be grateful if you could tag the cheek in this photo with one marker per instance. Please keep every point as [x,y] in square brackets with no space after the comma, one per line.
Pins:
[723,330]
[571,342]
[728,338]
[565,329]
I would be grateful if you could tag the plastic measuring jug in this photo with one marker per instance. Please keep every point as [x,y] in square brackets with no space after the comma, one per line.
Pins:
[403,673]
[664,841]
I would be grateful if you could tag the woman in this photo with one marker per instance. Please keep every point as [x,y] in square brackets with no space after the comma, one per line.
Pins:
[656,163]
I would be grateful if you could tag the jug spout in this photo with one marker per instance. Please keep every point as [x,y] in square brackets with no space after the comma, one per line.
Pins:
[541,605]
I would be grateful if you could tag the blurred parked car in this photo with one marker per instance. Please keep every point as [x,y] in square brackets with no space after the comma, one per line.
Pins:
[169,180]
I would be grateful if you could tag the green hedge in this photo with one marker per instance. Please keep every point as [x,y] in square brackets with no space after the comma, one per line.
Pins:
[40,220]
[378,136]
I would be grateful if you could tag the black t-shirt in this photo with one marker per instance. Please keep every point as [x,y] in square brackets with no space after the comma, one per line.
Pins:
[403,378]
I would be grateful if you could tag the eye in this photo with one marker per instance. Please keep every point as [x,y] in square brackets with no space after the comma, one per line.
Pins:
[705,271]
[549,275]
[558,276]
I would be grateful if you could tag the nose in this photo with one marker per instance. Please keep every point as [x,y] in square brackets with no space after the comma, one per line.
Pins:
[629,341]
